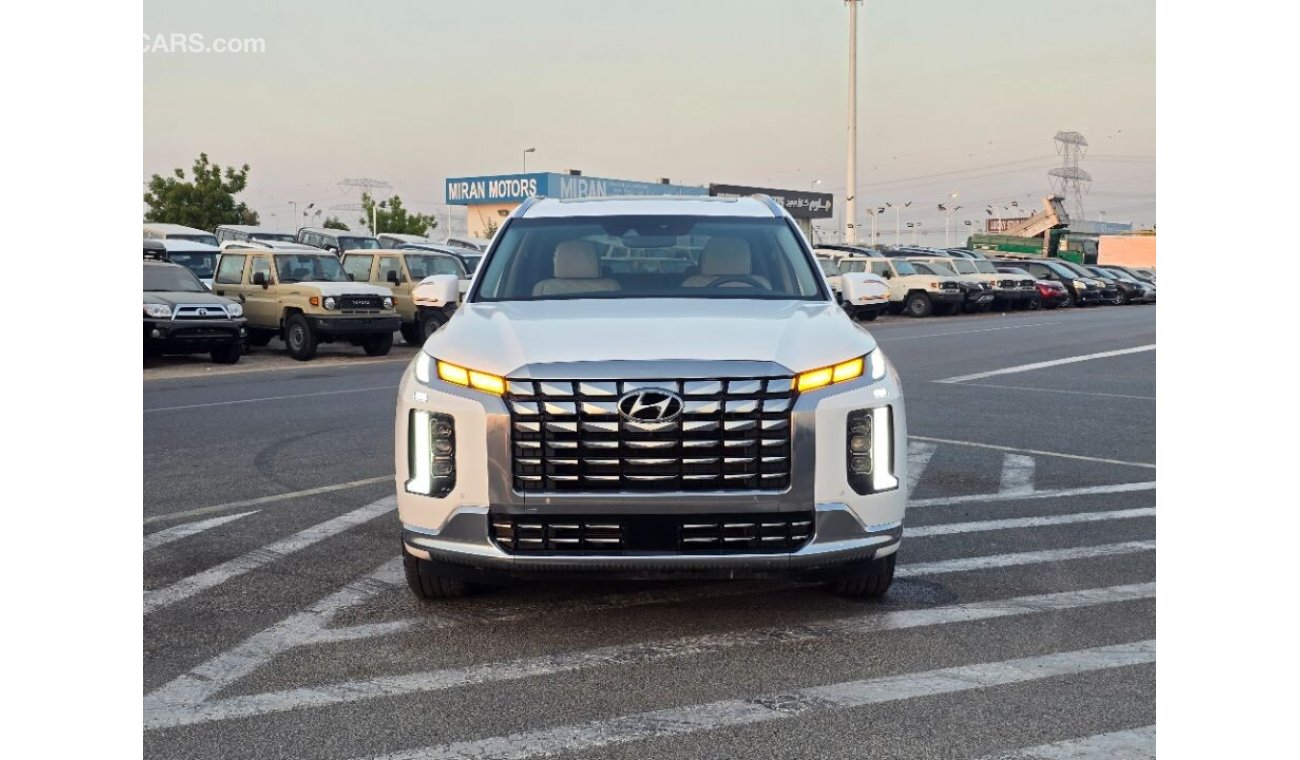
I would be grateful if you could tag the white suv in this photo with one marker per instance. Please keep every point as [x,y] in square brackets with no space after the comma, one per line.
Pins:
[696,406]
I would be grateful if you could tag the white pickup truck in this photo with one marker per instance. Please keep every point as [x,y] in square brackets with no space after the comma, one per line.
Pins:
[698,406]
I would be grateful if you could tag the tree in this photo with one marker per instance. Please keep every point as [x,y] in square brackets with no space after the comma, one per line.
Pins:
[334,223]
[391,216]
[204,201]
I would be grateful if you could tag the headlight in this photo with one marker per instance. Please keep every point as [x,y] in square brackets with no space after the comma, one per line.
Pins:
[1080,285]
[873,364]
[330,303]
[157,310]
[457,375]
[388,303]
[234,310]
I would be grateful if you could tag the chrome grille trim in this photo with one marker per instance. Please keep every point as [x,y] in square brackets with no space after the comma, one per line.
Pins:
[734,434]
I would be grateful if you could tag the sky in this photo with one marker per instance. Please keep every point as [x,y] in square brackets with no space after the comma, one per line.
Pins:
[954,96]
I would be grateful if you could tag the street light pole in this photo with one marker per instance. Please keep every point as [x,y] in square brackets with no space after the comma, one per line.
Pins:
[526,152]
[851,187]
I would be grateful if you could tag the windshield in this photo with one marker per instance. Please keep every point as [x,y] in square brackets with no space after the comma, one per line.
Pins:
[985,266]
[904,267]
[648,257]
[471,263]
[282,237]
[310,267]
[1061,270]
[853,266]
[358,243]
[828,267]
[940,267]
[963,266]
[175,279]
[201,264]
[423,265]
[205,239]
[1013,270]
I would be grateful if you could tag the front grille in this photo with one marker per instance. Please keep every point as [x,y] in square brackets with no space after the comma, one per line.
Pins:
[732,435]
[732,533]
[947,285]
[1026,283]
[1006,283]
[361,303]
[192,311]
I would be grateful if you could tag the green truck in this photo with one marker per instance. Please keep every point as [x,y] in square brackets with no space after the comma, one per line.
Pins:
[1052,244]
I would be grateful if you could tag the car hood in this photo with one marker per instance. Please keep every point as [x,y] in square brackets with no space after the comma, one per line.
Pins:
[172,297]
[501,338]
[345,288]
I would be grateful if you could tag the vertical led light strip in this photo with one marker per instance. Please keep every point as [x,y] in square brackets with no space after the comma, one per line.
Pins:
[418,456]
[882,444]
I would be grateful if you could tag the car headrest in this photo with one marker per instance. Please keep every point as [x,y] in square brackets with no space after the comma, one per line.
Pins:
[576,260]
[725,256]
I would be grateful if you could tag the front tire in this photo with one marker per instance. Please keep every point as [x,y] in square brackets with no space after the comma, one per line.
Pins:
[429,324]
[229,353]
[378,345]
[870,316]
[300,338]
[918,305]
[411,334]
[1034,304]
[871,582]
[425,582]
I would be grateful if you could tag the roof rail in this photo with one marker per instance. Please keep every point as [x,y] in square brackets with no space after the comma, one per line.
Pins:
[529,201]
[775,207]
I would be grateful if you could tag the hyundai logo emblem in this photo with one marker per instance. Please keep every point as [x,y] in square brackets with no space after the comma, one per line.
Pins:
[650,406]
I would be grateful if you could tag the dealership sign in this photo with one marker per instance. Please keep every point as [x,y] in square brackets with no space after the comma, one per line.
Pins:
[800,204]
[512,188]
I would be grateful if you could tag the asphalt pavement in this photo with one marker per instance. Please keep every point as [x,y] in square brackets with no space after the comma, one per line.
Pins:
[1021,623]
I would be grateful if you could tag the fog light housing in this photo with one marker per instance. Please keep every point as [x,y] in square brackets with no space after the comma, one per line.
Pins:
[431,453]
[869,450]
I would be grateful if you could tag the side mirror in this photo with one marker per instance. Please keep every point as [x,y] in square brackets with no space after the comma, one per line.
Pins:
[259,278]
[352,277]
[437,291]
[860,288]
[394,277]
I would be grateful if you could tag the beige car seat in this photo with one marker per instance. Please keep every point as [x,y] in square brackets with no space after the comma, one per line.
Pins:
[577,270]
[724,257]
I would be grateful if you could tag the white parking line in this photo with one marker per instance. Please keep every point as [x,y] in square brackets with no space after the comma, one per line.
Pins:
[176,533]
[949,529]
[156,599]
[806,703]
[269,398]
[269,499]
[1017,475]
[1058,493]
[918,456]
[634,654]
[966,564]
[1134,744]
[1057,454]
[1044,365]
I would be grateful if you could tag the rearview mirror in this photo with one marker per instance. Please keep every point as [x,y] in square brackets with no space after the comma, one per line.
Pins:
[859,288]
[437,291]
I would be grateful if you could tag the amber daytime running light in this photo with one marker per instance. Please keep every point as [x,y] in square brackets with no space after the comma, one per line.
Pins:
[849,370]
[458,375]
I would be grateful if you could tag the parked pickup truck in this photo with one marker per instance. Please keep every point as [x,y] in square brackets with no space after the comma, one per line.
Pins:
[727,420]
[910,292]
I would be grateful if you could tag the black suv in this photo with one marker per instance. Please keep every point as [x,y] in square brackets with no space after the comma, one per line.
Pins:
[1082,290]
[182,317]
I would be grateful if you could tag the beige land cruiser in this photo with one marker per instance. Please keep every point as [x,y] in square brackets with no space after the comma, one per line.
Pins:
[400,271]
[303,295]
[917,295]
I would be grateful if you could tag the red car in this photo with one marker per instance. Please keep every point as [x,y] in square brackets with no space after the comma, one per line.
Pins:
[1050,293]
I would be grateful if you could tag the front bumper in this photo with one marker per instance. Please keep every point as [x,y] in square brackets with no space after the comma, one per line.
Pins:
[328,326]
[946,296]
[193,334]
[848,527]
